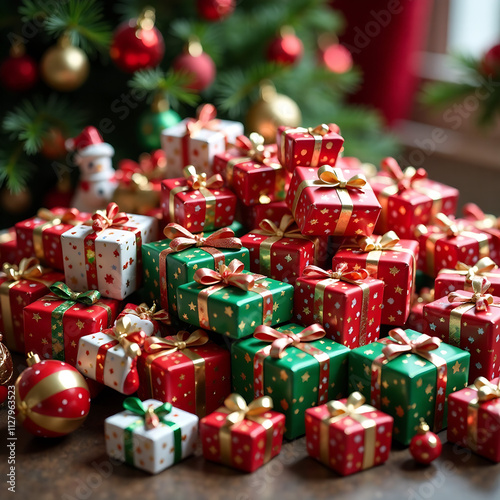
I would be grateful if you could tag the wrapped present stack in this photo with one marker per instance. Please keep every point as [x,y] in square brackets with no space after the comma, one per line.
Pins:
[279,299]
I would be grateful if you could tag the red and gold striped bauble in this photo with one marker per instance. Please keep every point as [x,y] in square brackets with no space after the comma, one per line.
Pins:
[52,397]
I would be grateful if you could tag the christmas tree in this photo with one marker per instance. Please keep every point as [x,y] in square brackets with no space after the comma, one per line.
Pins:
[131,68]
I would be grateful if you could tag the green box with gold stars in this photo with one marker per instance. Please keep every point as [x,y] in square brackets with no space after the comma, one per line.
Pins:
[408,388]
[181,267]
[292,381]
[235,312]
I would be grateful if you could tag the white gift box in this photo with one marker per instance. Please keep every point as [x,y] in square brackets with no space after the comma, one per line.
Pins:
[201,146]
[116,255]
[150,450]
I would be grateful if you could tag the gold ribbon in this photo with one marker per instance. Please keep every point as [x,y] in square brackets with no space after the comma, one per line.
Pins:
[353,408]
[482,268]
[123,332]
[486,391]
[236,408]
[317,132]
[333,178]
[142,311]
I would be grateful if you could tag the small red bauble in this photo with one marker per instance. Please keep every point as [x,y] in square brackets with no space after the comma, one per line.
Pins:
[137,44]
[198,65]
[215,10]
[3,394]
[53,144]
[52,397]
[425,446]
[490,63]
[336,58]
[19,73]
[287,48]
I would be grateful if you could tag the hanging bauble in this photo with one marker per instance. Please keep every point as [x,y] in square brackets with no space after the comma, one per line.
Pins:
[19,72]
[64,67]
[270,111]
[15,202]
[52,397]
[332,55]
[490,63]
[53,146]
[286,48]
[196,64]
[153,121]
[425,446]
[138,44]
[6,370]
[215,10]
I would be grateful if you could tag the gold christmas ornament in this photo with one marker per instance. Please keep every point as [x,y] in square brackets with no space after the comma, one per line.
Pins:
[64,67]
[270,111]
[6,364]
[15,203]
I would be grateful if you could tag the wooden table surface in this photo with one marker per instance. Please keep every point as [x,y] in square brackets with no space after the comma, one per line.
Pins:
[77,467]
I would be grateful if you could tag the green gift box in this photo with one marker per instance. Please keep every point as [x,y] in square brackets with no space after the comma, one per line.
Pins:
[165,271]
[409,375]
[232,301]
[306,374]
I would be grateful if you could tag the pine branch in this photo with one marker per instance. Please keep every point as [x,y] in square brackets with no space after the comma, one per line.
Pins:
[443,93]
[14,169]
[172,84]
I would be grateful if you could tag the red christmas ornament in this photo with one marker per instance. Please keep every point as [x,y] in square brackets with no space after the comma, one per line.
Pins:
[3,394]
[53,144]
[425,446]
[287,48]
[19,72]
[490,63]
[52,397]
[215,10]
[336,58]
[198,65]
[137,44]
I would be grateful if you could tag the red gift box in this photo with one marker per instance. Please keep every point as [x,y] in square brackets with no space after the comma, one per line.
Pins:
[252,170]
[391,260]
[471,321]
[54,324]
[460,278]
[149,319]
[308,147]
[254,215]
[282,252]
[332,202]
[408,198]
[20,286]
[40,236]
[8,247]
[445,244]
[157,213]
[347,435]
[473,416]
[197,203]
[416,318]
[186,370]
[347,303]
[241,436]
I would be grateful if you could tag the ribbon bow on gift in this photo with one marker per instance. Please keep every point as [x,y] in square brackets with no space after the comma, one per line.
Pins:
[281,340]
[486,391]
[230,275]
[447,225]
[253,147]
[481,268]
[353,407]
[70,216]
[377,243]
[102,220]
[329,177]
[150,414]
[150,313]
[478,219]
[479,297]
[64,292]
[150,166]
[200,181]
[183,239]
[239,410]
[205,118]
[29,269]
[341,273]
[128,336]
[403,179]
[183,340]
[401,344]
[286,229]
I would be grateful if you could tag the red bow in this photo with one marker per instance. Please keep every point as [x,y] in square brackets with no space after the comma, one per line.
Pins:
[479,297]
[112,217]
[68,217]
[149,165]
[182,238]
[282,340]
[478,218]
[404,179]
[400,344]
[205,114]
[340,273]
[230,275]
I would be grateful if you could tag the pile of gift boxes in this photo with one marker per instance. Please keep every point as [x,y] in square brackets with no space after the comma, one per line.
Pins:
[273,291]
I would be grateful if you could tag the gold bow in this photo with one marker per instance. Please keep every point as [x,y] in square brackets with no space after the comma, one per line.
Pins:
[142,311]
[239,410]
[200,181]
[183,340]
[479,297]
[128,337]
[28,269]
[334,178]
[483,267]
[253,147]
[351,408]
[486,390]
[377,243]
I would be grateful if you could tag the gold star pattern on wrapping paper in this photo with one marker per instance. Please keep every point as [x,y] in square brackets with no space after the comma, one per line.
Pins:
[306,310]
[174,399]
[242,325]
[243,376]
[325,211]
[37,317]
[385,384]
[399,411]
[195,267]
[305,377]
[428,389]
[269,390]
[394,270]
[288,258]
[360,386]
[392,318]
[192,306]
[313,222]
[19,299]
[368,352]
[247,358]
[185,316]
[283,375]
[419,382]
[275,306]
[456,367]
[79,324]
[398,289]
[284,404]
[385,401]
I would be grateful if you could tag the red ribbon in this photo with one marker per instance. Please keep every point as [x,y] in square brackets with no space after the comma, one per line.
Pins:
[341,273]
[479,219]
[404,179]
[230,275]
[205,118]
[111,217]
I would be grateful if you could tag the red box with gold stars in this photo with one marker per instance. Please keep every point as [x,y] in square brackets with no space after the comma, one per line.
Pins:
[245,445]
[474,417]
[348,442]
[464,326]
[14,297]
[8,247]
[194,378]
[323,208]
[53,326]
[395,266]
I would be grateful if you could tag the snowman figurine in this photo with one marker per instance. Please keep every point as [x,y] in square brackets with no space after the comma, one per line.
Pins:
[97,176]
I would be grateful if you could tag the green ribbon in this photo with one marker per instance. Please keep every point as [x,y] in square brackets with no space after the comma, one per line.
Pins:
[64,292]
[136,406]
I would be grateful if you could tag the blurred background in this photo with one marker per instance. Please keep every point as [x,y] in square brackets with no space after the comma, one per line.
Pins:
[417,80]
